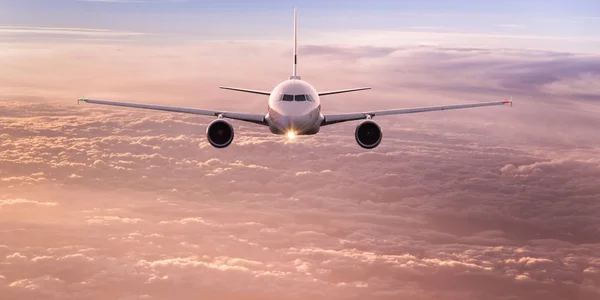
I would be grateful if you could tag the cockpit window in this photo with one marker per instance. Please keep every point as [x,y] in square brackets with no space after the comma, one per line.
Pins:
[287,97]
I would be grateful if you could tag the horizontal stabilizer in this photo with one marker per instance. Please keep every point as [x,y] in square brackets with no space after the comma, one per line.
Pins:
[245,90]
[343,91]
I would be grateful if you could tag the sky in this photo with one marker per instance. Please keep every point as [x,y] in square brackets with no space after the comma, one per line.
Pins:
[550,25]
[114,203]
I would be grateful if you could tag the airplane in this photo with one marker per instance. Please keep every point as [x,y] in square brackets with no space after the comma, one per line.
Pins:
[294,108]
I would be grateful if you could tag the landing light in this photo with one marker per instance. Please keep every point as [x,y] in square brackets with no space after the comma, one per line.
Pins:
[291,135]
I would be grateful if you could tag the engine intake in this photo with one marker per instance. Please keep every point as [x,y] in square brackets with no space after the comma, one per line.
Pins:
[219,133]
[368,134]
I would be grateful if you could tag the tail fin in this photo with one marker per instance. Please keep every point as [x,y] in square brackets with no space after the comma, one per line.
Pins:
[295,67]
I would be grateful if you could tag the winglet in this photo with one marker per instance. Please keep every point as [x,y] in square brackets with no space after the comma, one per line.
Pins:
[509,101]
[81,100]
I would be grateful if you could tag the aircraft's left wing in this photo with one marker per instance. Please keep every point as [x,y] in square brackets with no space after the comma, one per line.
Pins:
[338,118]
[252,118]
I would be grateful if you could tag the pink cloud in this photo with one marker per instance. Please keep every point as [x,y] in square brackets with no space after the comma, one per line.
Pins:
[103,203]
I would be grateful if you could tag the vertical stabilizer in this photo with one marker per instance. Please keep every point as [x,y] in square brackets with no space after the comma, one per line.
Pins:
[295,67]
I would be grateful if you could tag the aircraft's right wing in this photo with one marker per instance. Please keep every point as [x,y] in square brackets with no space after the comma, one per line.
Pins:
[252,118]
[338,118]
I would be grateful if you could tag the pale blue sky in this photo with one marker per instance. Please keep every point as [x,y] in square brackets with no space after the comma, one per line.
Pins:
[271,19]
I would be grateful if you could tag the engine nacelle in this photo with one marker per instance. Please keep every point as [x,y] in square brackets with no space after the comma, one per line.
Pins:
[219,133]
[368,134]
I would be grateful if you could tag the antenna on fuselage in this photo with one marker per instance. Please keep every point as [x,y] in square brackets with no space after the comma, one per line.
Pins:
[295,67]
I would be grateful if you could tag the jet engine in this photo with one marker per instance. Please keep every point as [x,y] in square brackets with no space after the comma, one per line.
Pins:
[368,134]
[219,133]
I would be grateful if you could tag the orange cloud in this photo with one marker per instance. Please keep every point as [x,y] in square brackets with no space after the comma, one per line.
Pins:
[100,203]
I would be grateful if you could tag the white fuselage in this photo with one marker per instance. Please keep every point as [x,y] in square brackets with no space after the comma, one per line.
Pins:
[294,107]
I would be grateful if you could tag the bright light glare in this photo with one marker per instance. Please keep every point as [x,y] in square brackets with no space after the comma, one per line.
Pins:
[291,134]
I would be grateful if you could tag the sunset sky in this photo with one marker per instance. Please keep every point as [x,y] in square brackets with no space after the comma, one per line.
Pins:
[547,24]
[486,203]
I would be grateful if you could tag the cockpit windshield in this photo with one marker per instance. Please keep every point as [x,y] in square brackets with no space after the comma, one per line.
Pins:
[287,97]
[300,98]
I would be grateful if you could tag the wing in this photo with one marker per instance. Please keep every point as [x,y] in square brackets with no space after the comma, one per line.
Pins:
[343,91]
[252,118]
[338,118]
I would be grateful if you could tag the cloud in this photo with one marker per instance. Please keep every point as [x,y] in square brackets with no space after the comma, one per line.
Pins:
[529,73]
[10,202]
[494,203]
[65,31]
[454,38]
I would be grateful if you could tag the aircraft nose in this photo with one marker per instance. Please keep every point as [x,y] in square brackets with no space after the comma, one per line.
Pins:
[299,112]
[285,122]
[297,117]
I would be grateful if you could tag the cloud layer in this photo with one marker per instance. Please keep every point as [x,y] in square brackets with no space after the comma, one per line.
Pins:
[492,203]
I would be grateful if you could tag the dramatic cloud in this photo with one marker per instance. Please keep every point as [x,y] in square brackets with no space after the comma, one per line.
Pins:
[489,203]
